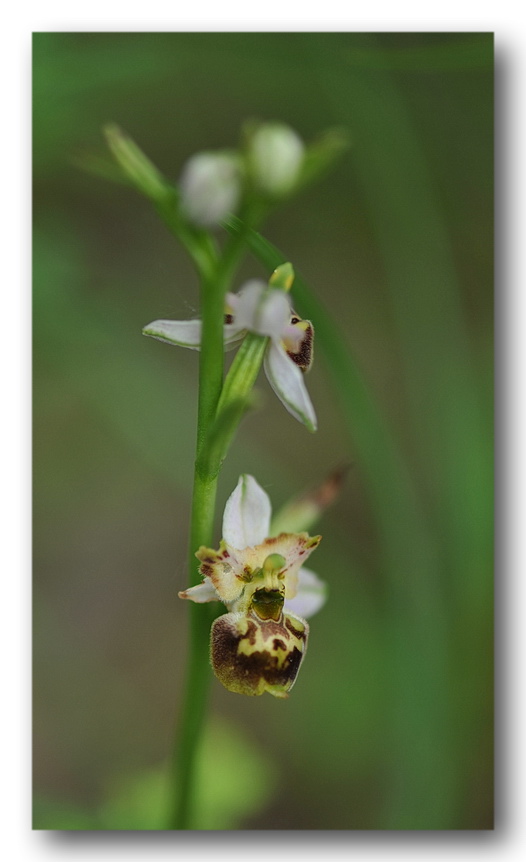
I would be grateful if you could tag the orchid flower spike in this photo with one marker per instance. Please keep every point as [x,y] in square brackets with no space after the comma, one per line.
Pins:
[260,643]
[264,310]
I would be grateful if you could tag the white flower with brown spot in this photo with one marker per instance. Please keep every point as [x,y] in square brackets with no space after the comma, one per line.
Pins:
[264,311]
[260,643]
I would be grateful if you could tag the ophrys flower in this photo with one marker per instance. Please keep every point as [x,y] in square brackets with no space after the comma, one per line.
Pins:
[260,643]
[264,310]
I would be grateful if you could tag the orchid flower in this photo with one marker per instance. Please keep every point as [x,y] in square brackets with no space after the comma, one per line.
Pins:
[265,311]
[259,644]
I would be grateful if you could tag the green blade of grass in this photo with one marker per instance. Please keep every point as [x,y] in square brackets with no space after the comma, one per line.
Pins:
[414,624]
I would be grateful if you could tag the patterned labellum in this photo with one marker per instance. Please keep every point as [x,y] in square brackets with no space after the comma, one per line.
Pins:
[251,655]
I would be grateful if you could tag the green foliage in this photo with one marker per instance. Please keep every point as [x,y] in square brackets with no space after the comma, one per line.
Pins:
[235,779]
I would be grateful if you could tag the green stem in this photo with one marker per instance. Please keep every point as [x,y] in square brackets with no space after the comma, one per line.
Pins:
[215,278]
[198,669]
[201,533]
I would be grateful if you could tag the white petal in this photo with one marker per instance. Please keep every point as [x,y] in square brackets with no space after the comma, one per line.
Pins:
[311,595]
[205,592]
[246,521]
[187,333]
[286,380]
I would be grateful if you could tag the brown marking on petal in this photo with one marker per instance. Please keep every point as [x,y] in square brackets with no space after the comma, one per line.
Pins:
[225,554]
[229,318]
[251,632]
[296,632]
[245,576]
[206,570]
[299,537]
[203,553]
[241,578]
[313,542]
[277,643]
[271,628]
[271,540]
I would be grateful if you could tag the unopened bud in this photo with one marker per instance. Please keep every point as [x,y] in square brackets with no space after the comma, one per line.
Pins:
[210,187]
[275,158]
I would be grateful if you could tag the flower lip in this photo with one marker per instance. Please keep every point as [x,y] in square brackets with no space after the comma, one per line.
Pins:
[251,655]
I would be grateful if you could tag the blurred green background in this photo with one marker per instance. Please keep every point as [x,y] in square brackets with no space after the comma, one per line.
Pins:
[390,723]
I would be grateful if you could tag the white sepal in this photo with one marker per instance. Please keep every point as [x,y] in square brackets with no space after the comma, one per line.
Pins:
[247,302]
[187,333]
[184,333]
[246,520]
[273,315]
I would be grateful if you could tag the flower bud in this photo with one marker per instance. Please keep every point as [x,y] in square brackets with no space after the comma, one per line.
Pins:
[275,158]
[210,187]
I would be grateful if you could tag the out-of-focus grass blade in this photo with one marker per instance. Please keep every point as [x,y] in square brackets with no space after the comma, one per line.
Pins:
[99,165]
[414,622]
[384,468]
